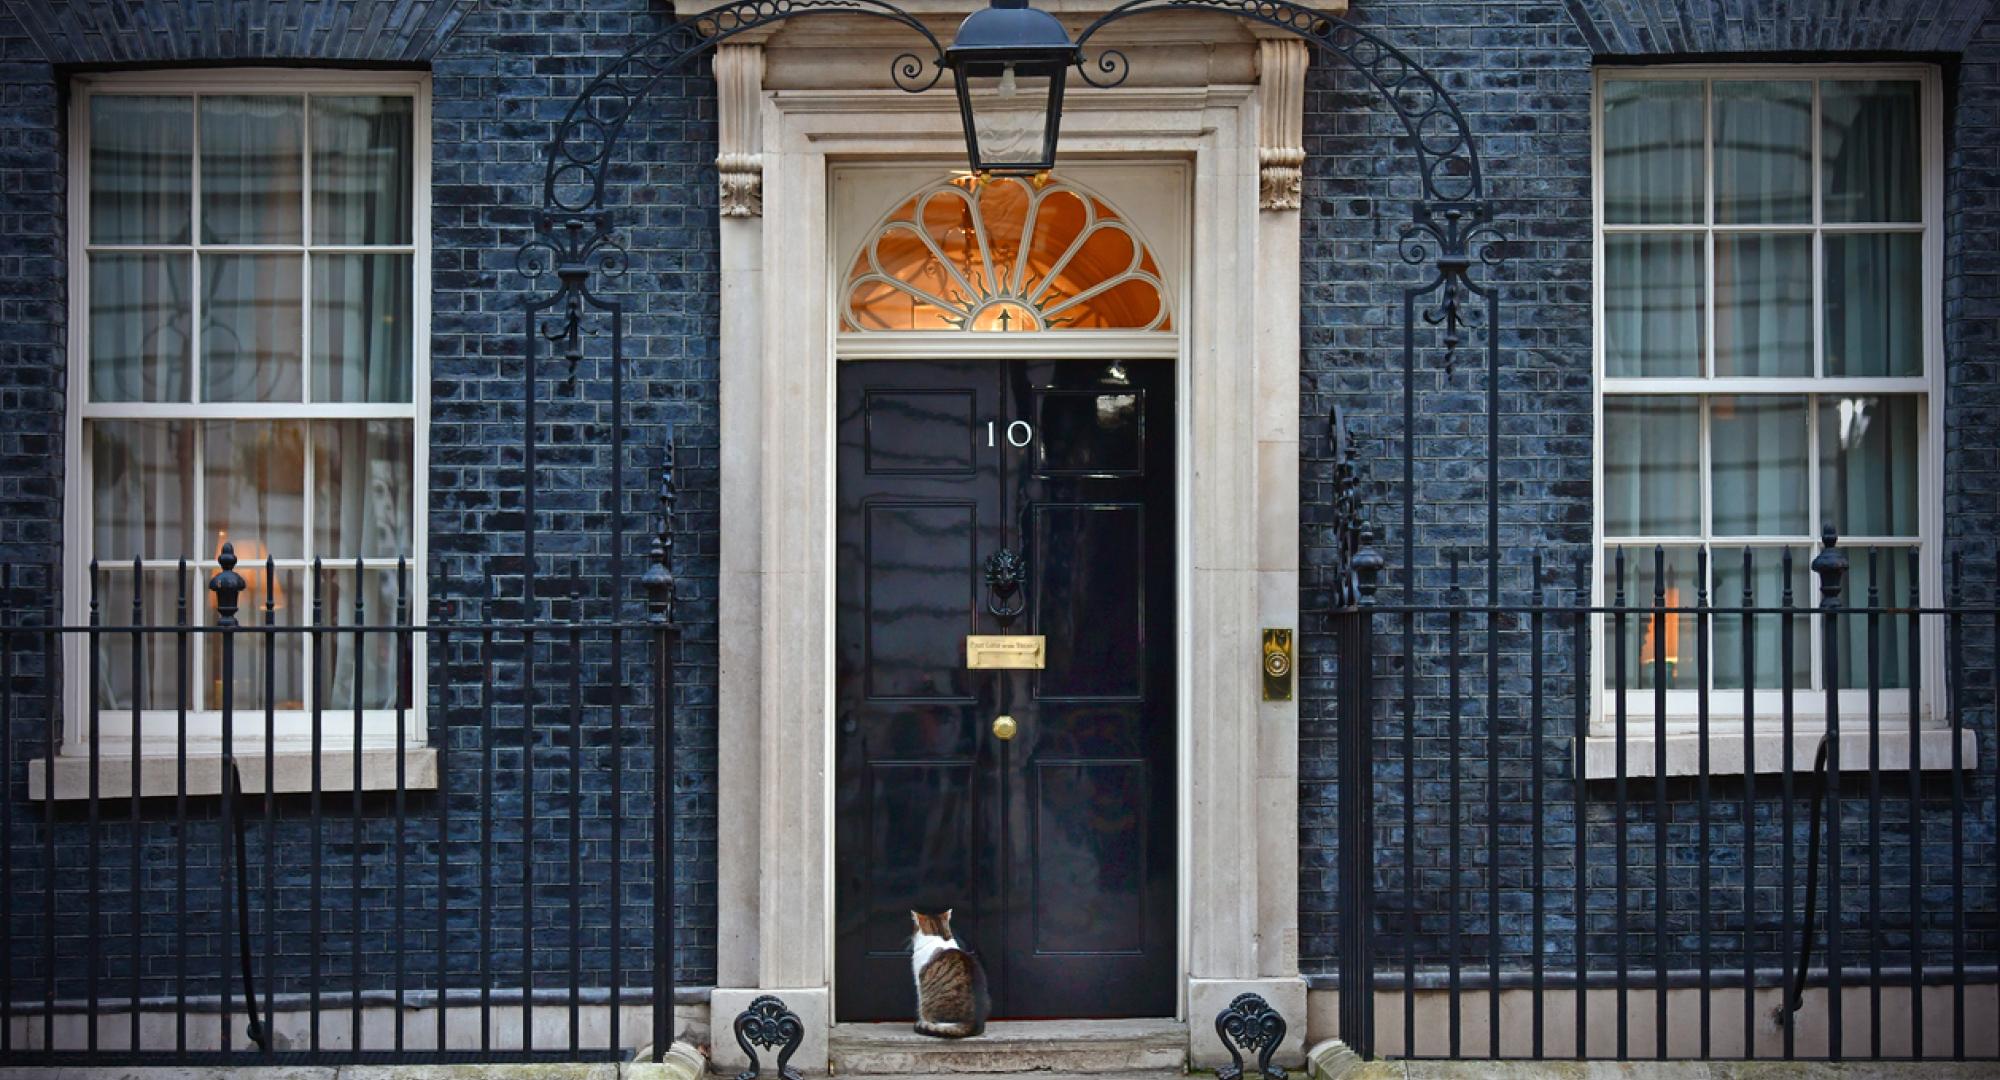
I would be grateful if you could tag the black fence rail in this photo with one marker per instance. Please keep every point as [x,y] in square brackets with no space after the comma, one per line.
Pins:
[1696,808]
[238,834]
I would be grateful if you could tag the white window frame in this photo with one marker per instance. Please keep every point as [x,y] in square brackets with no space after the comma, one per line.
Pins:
[291,728]
[1809,703]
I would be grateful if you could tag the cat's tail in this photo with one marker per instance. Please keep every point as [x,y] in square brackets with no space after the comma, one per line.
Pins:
[949,1031]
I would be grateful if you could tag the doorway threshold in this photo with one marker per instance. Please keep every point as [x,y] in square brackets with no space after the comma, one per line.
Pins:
[1098,1047]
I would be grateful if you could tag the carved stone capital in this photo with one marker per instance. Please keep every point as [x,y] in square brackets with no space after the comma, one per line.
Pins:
[1281,91]
[739,84]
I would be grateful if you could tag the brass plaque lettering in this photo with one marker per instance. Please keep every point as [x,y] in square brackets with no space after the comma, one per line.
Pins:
[1005,651]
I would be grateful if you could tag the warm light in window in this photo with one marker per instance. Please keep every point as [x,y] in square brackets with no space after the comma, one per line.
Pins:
[1005,255]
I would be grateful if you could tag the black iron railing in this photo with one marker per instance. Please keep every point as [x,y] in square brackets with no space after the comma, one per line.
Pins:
[352,836]
[1779,802]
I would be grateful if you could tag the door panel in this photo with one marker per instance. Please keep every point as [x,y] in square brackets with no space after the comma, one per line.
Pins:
[1055,849]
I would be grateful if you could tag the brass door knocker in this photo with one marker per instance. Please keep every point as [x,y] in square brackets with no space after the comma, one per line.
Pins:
[1006,569]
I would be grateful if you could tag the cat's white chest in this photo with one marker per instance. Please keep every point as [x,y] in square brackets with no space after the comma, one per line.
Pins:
[924,948]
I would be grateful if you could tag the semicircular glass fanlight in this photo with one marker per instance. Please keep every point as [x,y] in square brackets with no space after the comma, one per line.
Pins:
[1005,255]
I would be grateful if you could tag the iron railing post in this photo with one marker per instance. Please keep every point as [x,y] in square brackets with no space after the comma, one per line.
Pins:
[658,581]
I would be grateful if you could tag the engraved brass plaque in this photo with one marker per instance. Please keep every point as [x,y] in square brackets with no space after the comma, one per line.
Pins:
[1005,651]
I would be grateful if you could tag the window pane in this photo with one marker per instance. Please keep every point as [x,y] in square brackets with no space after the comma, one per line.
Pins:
[361,163]
[1757,465]
[1868,464]
[159,679]
[141,169]
[380,675]
[255,487]
[1873,164]
[141,502]
[1763,304]
[1767,581]
[1652,152]
[252,170]
[1874,304]
[1652,466]
[250,334]
[1888,570]
[1653,304]
[286,675]
[361,488]
[1763,152]
[140,327]
[361,328]
[1649,636]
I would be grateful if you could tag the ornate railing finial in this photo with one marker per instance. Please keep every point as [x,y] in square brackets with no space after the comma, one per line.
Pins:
[658,579]
[227,585]
[1831,566]
[1356,563]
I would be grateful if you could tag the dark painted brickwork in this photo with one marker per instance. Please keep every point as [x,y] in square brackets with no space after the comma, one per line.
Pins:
[1522,71]
[503,72]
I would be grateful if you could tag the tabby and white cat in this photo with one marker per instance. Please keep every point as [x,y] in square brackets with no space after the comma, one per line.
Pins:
[951,985]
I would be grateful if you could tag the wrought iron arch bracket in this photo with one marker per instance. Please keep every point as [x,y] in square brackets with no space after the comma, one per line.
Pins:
[588,135]
[1452,223]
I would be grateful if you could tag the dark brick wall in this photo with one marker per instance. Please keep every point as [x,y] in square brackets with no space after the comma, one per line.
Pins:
[1522,72]
[503,72]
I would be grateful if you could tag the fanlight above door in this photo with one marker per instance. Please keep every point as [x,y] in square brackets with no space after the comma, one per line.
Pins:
[1005,255]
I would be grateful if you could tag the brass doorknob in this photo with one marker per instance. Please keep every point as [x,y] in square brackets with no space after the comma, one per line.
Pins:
[1004,727]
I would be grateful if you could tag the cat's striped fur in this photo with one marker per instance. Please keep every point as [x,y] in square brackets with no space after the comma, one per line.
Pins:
[952,1001]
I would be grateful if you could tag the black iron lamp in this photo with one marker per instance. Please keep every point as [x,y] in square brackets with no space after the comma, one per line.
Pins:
[1009,62]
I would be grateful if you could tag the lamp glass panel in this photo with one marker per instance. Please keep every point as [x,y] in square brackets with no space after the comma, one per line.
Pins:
[1010,118]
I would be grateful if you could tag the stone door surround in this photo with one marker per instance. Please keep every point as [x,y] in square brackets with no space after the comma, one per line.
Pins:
[795,103]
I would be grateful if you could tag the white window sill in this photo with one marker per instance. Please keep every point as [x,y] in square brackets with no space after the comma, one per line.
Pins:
[1725,752]
[291,773]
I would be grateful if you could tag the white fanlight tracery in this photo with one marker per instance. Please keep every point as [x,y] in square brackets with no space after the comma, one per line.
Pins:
[1005,255]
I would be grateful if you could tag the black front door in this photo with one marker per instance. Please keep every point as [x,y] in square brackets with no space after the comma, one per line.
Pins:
[1055,849]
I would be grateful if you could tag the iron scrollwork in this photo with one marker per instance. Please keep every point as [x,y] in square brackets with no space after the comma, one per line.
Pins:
[1250,1025]
[658,580]
[1452,222]
[769,1024]
[1356,563]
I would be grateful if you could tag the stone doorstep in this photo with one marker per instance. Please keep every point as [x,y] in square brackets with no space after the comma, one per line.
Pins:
[1099,1047]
